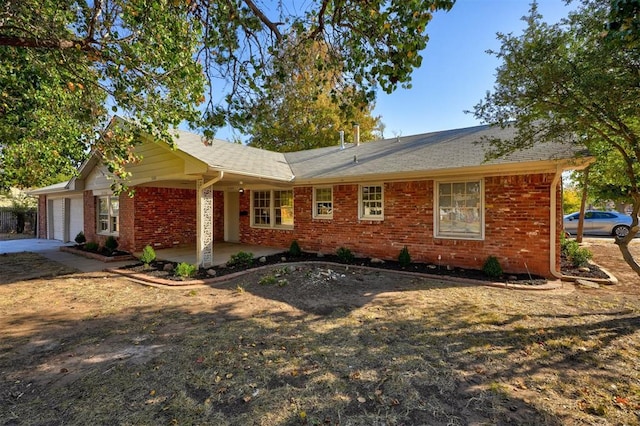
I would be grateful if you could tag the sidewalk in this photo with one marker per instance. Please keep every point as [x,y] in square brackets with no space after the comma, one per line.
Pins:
[51,250]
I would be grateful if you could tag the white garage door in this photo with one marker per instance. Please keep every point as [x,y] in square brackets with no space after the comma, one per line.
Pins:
[76,217]
[56,219]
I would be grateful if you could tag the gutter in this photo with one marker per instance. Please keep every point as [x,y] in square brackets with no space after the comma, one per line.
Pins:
[553,224]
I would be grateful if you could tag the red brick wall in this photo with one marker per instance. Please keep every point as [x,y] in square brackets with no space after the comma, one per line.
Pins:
[89,213]
[42,216]
[218,216]
[126,239]
[516,225]
[163,217]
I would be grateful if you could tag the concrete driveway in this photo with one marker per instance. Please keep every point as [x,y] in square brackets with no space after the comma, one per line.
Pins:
[29,244]
[51,250]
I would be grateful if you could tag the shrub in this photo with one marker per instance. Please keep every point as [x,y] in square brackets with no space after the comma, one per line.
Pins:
[80,238]
[111,243]
[268,280]
[492,267]
[578,256]
[185,270]
[404,257]
[345,255]
[91,246]
[148,255]
[241,258]
[294,249]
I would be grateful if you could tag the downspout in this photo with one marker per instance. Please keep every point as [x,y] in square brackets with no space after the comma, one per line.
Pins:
[553,224]
[200,248]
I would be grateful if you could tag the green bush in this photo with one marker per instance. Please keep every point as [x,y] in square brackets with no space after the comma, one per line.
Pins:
[578,256]
[492,267]
[404,257]
[80,238]
[148,255]
[345,255]
[268,280]
[185,270]
[91,246]
[111,243]
[294,249]
[242,258]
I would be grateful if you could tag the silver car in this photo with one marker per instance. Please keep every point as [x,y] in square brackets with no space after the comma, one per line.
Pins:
[599,223]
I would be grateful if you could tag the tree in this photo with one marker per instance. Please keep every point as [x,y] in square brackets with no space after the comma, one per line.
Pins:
[570,81]
[162,62]
[308,109]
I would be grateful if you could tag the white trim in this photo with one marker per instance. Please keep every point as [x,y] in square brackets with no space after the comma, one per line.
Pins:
[361,214]
[110,216]
[314,210]
[436,211]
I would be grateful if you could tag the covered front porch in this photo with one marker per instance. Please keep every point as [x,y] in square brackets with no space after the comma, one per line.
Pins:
[222,252]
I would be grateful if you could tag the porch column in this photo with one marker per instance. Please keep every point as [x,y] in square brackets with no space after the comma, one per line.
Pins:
[205,225]
[205,221]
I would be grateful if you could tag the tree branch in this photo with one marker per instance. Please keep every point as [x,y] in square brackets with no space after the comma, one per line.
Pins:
[273,26]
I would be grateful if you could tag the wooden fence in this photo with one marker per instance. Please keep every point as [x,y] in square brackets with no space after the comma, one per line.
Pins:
[9,221]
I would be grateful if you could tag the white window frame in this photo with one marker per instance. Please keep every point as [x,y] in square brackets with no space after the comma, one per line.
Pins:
[436,212]
[113,216]
[362,215]
[271,210]
[319,204]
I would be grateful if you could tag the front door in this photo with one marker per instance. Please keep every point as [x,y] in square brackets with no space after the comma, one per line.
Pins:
[232,216]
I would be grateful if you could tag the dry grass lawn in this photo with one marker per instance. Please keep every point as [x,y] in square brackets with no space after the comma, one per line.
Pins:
[308,347]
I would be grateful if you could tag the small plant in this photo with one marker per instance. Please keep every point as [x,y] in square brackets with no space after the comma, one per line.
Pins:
[91,246]
[283,282]
[345,255]
[268,280]
[404,258]
[578,256]
[185,270]
[294,249]
[492,267]
[111,244]
[148,255]
[239,289]
[242,258]
[80,238]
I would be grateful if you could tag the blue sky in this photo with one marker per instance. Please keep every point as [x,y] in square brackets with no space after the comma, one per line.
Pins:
[456,71]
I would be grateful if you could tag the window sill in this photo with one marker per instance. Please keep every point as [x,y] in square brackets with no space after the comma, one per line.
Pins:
[459,237]
[277,228]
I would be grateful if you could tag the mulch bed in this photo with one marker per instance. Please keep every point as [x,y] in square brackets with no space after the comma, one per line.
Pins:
[164,269]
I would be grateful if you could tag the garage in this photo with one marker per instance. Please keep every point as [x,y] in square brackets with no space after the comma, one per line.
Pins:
[75,215]
[65,218]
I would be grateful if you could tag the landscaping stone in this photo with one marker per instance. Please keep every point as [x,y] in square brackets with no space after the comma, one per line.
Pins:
[375,260]
[587,283]
[262,260]
[167,267]
[211,272]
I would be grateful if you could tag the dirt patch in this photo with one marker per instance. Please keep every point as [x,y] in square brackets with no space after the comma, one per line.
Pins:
[317,345]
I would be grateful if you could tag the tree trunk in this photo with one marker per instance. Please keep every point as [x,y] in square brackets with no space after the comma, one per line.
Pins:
[623,243]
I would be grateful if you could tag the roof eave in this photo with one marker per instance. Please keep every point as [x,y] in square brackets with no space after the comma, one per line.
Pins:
[549,166]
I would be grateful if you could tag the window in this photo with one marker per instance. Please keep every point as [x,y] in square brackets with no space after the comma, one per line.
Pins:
[371,202]
[283,204]
[323,203]
[108,215]
[272,209]
[459,210]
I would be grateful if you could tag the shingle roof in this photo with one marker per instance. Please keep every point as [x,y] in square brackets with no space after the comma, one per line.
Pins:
[235,158]
[428,152]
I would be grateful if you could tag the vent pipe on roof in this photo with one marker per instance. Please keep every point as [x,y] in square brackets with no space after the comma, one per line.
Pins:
[356,134]
[341,139]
